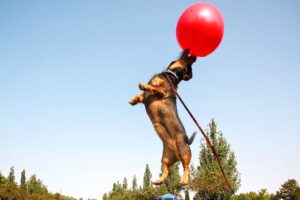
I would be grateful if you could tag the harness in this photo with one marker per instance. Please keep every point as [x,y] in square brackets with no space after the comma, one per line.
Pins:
[170,72]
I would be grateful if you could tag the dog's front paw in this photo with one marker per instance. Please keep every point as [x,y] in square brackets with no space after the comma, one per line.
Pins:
[136,99]
[133,101]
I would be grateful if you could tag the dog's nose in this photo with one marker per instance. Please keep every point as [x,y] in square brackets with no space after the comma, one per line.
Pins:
[185,54]
[192,59]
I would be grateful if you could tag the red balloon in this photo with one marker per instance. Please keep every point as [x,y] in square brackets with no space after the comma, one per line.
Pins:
[200,29]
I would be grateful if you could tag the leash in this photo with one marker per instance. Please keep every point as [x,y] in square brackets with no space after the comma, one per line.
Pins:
[201,130]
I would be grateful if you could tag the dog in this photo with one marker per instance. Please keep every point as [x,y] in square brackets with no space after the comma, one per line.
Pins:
[160,103]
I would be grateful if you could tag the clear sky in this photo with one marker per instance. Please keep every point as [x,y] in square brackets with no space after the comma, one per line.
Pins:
[68,69]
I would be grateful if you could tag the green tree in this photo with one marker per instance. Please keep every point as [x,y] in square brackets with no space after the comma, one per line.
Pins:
[2,180]
[36,190]
[186,195]
[57,196]
[288,190]
[11,176]
[245,196]
[117,191]
[297,194]
[125,184]
[207,179]
[173,181]
[134,183]
[23,181]
[147,178]
[263,195]
[105,197]
[10,191]
[36,186]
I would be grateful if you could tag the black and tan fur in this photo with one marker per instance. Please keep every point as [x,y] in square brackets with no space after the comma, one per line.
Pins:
[160,103]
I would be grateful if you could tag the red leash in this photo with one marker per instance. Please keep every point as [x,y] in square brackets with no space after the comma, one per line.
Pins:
[201,130]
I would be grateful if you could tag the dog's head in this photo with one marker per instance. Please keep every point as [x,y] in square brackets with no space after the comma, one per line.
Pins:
[182,67]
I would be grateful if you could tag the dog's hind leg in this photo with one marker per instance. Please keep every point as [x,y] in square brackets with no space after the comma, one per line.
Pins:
[167,161]
[185,155]
[186,170]
[137,99]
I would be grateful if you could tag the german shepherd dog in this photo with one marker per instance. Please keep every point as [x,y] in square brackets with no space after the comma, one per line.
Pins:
[160,103]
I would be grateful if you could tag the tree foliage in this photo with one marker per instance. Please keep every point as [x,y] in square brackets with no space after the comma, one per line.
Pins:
[125,183]
[289,190]
[261,195]
[36,186]
[207,179]
[186,195]
[10,190]
[134,183]
[11,176]
[23,184]
[2,179]
[136,192]
[147,178]
[173,182]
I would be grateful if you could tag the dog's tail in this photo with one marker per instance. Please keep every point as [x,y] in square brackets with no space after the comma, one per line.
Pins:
[191,139]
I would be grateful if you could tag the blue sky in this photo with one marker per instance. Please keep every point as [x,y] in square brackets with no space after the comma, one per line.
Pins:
[68,69]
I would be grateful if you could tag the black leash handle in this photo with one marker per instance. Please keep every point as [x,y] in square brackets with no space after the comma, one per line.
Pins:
[203,133]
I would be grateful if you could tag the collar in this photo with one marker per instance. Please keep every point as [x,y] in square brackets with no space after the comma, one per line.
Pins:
[170,72]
